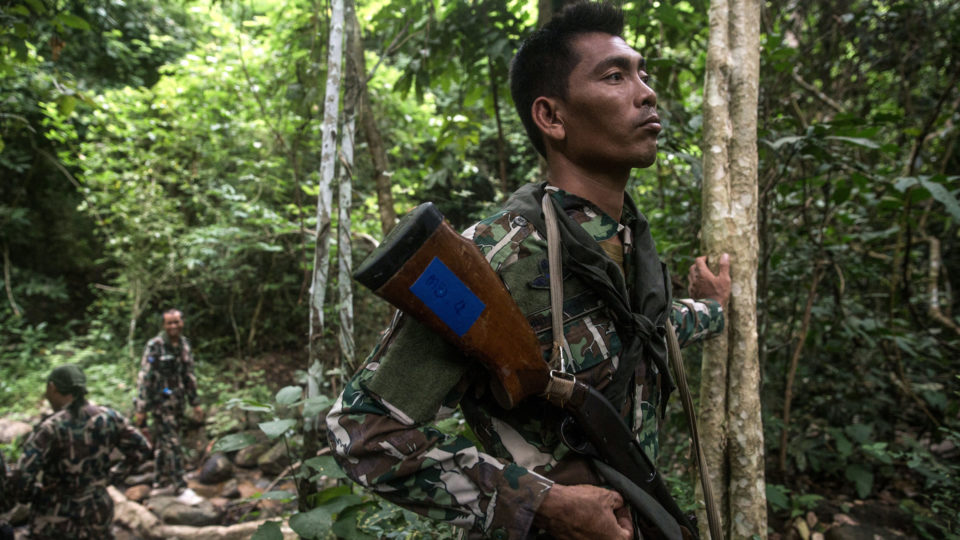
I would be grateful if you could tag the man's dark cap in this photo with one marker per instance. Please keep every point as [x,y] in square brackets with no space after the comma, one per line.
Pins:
[68,378]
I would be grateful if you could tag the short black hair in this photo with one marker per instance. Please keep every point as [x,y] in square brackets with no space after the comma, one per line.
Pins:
[544,61]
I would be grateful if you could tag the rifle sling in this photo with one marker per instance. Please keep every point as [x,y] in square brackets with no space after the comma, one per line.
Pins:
[676,360]
[642,502]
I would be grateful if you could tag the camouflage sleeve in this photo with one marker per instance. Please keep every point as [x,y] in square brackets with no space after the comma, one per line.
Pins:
[36,452]
[145,378]
[131,443]
[696,320]
[188,377]
[413,464]
[6,499]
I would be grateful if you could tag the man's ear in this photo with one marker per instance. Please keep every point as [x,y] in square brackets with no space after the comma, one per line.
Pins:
[547,117]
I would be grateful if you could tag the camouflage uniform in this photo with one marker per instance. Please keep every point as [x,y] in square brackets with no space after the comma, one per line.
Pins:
[6,501]
[165,383]
[65,468]
[380,427]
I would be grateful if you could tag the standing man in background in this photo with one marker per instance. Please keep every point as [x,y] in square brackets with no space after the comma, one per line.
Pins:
[164,385]
[65,466]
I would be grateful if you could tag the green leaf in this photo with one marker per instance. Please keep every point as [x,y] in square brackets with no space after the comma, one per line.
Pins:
[936,190]
[858,141]
[234,441]
[66,105]
[860,433]
[71,20]
[289,395]
[326,466]
[316,405]
[785,140]
[346,525]
[844,446]
[862,479]
[778,497]
[336,504]
[879,451]
[277,428]
[279,495]
[269,530]
[313,524]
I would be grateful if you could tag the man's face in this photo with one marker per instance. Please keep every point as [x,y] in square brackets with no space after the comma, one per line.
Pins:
[610,114]
[173,324]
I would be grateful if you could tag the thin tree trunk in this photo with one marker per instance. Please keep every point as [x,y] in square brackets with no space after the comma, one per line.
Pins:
[7,283]
[351,96]
[501,144]
[371,132]
[730,393]
[794,363]
[321,258]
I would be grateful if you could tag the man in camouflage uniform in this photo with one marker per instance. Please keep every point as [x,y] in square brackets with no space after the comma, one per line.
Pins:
[164,385]
[6,501]
[581,92]
[65,466]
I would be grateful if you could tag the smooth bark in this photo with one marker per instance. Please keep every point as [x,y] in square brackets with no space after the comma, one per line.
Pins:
[730,393]
[321,258]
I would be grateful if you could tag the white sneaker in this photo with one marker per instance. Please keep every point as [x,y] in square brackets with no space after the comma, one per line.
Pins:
[189,497]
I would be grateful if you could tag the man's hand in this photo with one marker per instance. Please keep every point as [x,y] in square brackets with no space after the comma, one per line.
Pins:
[584,512]
[198,413]
[140,419]
[704,284]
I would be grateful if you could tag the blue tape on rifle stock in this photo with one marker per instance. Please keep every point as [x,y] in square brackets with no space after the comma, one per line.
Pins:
[448,297]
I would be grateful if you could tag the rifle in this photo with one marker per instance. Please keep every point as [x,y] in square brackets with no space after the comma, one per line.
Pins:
[427,270]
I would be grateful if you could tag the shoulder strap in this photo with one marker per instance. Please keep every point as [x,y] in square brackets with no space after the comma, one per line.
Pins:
[676,360]
[556,285]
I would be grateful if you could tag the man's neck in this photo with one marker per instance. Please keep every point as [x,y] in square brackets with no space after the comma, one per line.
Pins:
[604,189]
[175,341]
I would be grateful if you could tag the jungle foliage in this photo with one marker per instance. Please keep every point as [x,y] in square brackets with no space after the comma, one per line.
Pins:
[159,154]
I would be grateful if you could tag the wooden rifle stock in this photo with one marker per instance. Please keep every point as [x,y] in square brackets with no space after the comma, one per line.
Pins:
[440,278]
[427,270]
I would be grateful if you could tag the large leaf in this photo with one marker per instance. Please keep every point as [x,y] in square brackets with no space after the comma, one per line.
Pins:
[316,405]
[325,466]
[71,20]
[277,428]
[936,190]
[234,441]
[313,524]
[858,141]
[269,530]
[862,479]
[289,395]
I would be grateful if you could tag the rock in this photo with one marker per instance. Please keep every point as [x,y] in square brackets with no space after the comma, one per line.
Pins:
[860,532]
[130,514]
[230,489]
[247,457]
[216,469]
[204,490]
[137,493]
[10,430]
[175,513]
[275,460]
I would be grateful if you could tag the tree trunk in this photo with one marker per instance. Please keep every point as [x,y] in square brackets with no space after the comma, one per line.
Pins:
[351,96]
[321,254]
[371,132]
[730,393]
